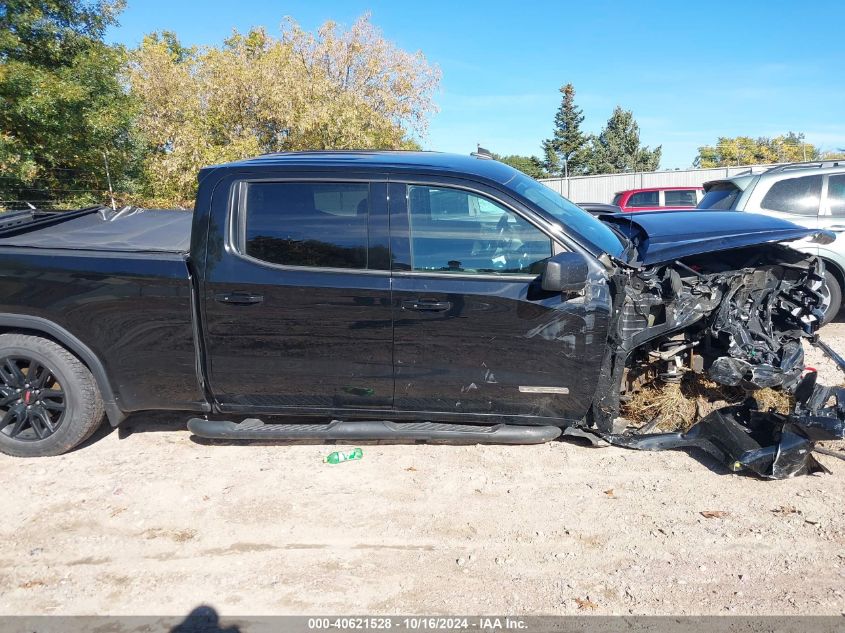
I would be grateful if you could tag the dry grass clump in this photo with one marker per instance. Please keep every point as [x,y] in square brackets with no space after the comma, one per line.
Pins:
[677,406]
[665,402]
[774,400]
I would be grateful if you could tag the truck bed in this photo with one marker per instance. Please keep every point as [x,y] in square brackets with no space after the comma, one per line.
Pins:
[126,230]
[119,283]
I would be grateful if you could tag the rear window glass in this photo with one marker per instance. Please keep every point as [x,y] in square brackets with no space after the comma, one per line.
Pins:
[680,198]
[721,197]
[794,195]
[616,199]
[644,199]
[307,224]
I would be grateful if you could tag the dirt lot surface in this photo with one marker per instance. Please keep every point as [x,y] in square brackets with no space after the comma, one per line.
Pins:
[157,523]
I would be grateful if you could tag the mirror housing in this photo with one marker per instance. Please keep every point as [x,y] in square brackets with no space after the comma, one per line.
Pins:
[565,272]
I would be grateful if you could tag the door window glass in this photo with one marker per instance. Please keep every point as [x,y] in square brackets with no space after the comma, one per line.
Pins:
[680,198]
[457,231]
[794,195]
[307,224]
[644,199]
[836,194]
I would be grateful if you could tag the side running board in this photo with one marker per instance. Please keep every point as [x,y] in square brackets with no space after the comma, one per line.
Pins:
[254,429]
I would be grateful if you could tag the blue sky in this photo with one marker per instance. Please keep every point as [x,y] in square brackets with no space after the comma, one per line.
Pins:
[690,71]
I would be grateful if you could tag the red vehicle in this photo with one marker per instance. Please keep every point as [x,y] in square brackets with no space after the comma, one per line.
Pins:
[658,198]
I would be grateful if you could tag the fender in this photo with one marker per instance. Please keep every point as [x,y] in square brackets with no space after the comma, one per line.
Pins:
[830,263]
[40,325]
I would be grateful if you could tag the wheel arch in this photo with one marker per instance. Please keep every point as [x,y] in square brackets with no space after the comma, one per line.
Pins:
[835,270]
[38,326]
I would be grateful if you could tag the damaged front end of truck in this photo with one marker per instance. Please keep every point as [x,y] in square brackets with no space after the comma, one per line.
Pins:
[724,309]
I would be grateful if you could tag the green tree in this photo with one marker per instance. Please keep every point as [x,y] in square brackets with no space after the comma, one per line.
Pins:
[63,111]
[551,160]
[745,150]
[617,148]
[530,165]
[568,143]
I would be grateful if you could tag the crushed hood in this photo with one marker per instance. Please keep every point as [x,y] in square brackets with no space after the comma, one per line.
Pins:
[668,235]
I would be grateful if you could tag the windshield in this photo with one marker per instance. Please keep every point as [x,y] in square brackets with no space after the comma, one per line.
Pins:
[584,227]
[721,196]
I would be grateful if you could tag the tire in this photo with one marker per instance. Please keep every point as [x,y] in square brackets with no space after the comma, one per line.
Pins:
[41,378]
[835,294]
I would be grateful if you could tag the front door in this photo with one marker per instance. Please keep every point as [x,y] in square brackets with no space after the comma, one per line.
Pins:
[297,303]
[474,333]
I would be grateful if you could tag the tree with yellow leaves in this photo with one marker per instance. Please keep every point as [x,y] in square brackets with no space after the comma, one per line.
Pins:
[744,150]
[333,89]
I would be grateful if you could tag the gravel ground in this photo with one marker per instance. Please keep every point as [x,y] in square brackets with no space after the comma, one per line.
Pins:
[157,523]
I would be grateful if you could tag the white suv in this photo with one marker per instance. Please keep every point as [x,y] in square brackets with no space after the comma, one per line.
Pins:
[809,194]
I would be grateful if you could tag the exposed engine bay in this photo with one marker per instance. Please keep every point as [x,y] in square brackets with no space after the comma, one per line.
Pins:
[737,318]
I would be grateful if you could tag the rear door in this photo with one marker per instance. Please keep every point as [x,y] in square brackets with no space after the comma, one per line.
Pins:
[797,199]
[473,331]
[297,301]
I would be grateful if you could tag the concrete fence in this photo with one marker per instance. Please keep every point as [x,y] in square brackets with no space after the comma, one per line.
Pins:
[602,188]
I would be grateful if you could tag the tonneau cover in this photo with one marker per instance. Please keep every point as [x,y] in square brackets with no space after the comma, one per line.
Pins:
[127,230]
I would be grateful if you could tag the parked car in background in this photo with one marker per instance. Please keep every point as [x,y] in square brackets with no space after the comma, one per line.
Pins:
[658,198]
[599,208]
[810,194]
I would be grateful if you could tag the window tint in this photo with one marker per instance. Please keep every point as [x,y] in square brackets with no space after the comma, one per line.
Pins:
[721,197]
[794,195]
[457,231]
[308,224]
[616,199]
[644,199]
[836,194]
[680,198]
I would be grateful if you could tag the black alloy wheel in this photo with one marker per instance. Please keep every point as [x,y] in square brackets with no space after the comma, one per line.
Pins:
[32,401]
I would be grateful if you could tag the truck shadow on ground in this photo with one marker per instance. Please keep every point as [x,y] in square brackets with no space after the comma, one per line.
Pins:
[141,422]
[702,457]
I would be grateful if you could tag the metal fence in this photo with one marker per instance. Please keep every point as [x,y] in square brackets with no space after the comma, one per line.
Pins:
[602,188]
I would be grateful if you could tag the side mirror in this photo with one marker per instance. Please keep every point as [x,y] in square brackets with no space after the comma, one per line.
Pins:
[565,272]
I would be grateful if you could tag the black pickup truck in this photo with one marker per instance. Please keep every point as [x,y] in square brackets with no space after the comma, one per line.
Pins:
[401,295]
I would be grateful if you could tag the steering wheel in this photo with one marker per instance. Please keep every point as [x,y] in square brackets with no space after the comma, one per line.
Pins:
[504,235]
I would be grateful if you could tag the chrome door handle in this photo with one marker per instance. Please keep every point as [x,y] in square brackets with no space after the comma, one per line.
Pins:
[238,298]
[422,305]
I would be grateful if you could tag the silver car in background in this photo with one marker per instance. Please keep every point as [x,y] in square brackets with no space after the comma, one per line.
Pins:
[810,194]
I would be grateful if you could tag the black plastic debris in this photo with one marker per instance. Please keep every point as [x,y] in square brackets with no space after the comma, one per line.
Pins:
[769,444]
